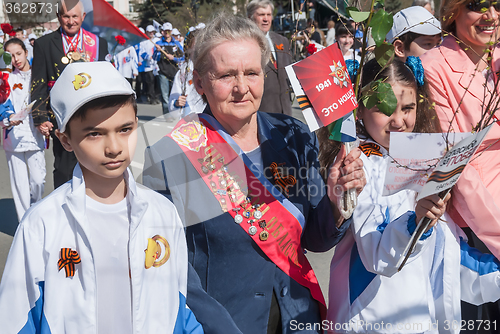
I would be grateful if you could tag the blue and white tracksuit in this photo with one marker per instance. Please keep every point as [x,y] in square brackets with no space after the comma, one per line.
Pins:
[37,297]
[368,295]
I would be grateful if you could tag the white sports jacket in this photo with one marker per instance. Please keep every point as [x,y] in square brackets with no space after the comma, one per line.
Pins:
[38,297]
[368,295]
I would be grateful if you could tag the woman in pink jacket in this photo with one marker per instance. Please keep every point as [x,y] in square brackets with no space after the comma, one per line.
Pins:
[458,71]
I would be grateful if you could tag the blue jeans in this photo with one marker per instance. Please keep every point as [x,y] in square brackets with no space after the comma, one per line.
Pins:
[165,87]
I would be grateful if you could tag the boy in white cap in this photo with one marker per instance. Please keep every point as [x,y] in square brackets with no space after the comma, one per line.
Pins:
[100,254]
[146,51]
[414,32]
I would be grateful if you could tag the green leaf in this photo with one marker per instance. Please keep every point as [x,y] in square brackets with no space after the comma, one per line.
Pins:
[7,58]
[381,23]
[356,15]
[384,53]
[380,2]
[387,101]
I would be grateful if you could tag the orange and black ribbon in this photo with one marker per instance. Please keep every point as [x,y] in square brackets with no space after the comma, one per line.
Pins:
[18,85]
[304,102]
[68,260]
[273,61]
[370,148]
[283,181]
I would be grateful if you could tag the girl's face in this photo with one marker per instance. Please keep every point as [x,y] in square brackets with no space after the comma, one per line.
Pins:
[476,29]
[19,57]
[379,126]
[345,42]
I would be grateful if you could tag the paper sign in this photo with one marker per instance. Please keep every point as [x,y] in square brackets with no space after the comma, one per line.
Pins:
[452,164]
[326,83]
[414,156]
[23,113]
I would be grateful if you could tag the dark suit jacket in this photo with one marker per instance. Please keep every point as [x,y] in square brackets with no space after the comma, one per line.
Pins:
[231,286]
[276,98]
[47,66]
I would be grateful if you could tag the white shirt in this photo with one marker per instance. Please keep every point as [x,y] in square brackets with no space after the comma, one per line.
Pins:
[109,232]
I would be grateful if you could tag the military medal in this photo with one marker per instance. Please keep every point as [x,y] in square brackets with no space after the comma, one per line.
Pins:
[263,235]
[76,56]
[257,214]
[252,230]
[65,60]
[238,219]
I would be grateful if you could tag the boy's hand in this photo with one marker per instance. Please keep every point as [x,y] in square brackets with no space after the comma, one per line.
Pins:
[431,207]
[181,101]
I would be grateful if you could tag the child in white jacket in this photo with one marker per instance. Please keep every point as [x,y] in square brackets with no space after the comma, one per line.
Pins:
[367,294]
[100,254]
[23,143]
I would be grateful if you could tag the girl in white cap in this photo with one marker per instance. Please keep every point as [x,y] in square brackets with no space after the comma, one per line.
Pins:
[23,144]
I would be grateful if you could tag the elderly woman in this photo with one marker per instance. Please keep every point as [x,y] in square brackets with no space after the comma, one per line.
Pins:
[247,186]
[462,72]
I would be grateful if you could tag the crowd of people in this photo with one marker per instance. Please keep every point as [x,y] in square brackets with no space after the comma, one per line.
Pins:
[215,237]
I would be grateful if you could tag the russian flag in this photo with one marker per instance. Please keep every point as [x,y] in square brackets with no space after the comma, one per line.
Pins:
[103,20]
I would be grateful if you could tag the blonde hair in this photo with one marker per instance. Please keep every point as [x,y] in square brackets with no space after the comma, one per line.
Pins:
[227,27]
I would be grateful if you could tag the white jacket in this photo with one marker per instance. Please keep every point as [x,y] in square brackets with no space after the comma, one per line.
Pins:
[146,51]
[194,101]
[126,62]
[368,295]
[37,297]
[23,137]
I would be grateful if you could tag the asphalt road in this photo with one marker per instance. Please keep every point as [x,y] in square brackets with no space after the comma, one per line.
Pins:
[152,127]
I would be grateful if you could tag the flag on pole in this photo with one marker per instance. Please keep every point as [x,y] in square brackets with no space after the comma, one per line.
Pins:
[104,21]
[344,129]
[157,26]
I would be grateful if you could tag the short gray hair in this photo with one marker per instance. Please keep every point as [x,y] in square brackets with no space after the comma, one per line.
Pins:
[422,3]
[227,27]
[256,4]
[69,4]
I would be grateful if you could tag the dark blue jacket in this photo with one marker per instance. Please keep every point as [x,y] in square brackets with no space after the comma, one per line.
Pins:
[231,285]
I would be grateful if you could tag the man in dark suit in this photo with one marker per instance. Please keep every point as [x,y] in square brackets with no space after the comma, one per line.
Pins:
[52,53]
[276,98]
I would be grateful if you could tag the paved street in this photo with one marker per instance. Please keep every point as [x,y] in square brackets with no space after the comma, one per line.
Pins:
[154,125]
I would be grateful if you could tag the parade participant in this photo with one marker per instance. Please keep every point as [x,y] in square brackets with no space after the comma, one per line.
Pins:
[414,32]
[184,99]
[462,73]
[177,35]
[345,39]
[276,98]
[52,52]
[126,64]
[100,254]
[23,143]
[146,51]
[247,186]
[367,293]
[168,61]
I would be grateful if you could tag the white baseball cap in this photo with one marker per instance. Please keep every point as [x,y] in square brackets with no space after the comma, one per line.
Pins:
[150,28]
[82,82]
[175,32]
[31,36]
[142,30]
[200,25]
[192,29]
[167,26]
[416,19]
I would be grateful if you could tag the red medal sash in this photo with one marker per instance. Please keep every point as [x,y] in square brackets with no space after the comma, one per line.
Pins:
[90,44]
[226,175]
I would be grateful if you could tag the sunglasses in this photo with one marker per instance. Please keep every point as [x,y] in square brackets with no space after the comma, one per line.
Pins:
[481,6]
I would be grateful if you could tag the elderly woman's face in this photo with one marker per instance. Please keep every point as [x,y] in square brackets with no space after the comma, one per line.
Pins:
[477,29]
[235,82]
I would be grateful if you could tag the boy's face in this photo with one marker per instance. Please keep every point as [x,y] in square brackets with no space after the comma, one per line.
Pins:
[422,44]
[104,142]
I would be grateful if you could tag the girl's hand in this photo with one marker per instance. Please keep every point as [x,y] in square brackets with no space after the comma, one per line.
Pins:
[345,173]
[431,207]
[14,123]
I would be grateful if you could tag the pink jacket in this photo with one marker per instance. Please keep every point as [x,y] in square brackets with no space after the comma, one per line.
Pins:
[475,198]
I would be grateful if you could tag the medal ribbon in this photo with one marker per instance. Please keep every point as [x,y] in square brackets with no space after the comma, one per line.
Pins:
[68,260]
[282,220]
[71,44]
